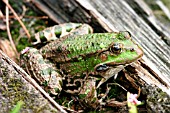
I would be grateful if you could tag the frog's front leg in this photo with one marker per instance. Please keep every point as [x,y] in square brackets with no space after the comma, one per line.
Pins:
[43,70]
[88,93]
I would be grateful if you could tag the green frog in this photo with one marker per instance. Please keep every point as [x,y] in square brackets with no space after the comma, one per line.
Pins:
[73,55]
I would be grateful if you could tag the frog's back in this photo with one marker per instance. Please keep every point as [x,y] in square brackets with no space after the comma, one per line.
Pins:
[68,48]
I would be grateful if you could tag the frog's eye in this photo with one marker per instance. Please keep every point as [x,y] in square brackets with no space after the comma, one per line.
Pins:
[116,48]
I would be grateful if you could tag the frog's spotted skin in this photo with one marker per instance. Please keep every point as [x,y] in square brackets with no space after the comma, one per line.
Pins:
[44,71]
[80,55]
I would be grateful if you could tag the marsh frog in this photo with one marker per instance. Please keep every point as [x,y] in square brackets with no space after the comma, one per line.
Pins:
[74,54]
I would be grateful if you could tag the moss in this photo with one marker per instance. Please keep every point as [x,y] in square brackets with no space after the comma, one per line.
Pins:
[14,89]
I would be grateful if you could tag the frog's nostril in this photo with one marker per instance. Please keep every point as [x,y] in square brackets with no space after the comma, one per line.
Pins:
[132,49]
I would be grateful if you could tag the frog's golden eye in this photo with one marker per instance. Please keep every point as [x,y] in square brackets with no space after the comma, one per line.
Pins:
[116,48]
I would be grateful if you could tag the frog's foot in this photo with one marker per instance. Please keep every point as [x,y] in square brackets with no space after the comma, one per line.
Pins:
[104,96]
[88,93]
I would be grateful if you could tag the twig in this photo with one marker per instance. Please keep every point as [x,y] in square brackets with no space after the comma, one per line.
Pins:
[24,11]
[1,14]
[118,85]
[25,16]
[106,93]
[70,110]
[8,30]
[15,14]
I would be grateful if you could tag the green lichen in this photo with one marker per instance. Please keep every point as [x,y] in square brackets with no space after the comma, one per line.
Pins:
[14,89]
[17,108]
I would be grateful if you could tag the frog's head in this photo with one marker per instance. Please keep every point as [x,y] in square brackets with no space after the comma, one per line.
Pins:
[122,51]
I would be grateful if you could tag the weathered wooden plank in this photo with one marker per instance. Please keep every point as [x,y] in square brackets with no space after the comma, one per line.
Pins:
[160,25]
[70,10]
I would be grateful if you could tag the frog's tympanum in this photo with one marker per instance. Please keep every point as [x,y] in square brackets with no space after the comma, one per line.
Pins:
[74,54]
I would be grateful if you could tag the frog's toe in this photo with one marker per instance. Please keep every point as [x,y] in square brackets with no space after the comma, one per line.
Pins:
[54,91]
[115,76]
[101,82]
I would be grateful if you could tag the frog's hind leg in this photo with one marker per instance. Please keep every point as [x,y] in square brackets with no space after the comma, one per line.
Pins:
[82,30]
[64,30]
[54,32]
